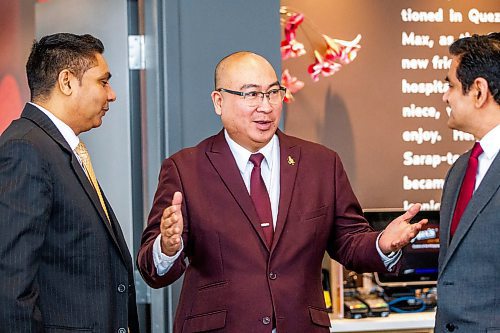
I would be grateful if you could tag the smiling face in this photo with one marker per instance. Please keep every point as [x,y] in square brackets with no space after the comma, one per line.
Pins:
[91,97]
[462,115]
[252,127]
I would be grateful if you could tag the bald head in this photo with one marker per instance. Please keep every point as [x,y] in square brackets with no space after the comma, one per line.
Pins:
[250,122]
[231,62]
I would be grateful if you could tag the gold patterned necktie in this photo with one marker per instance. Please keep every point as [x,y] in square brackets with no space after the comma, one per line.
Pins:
[83,153]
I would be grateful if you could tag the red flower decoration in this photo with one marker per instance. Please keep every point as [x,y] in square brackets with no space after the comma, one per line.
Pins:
[292,25]
[292,85]
[336,53]
[341,50]
[326,68]
[291,49]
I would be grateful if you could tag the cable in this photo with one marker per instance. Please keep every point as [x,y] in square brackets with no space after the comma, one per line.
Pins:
[408,299]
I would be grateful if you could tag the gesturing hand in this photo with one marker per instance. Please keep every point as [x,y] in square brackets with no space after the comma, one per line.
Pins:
[171,226]
[400,232]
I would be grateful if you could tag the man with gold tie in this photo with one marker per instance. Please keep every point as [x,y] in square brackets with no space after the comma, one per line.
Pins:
[64,263]
[469,260]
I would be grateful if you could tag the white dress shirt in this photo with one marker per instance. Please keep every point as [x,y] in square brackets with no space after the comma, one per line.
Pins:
[270,168]
[65,130]
[491,145]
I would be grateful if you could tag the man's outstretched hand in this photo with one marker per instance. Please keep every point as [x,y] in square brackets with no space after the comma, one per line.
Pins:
[400,232]
[171,226]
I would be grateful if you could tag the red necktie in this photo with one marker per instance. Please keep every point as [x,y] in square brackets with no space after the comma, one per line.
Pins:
[260,198]
[467,188]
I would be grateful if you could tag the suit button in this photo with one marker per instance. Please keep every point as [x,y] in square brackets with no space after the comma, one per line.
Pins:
[272,276]
[266,320]
[450,327]
[121,288]
[122,330]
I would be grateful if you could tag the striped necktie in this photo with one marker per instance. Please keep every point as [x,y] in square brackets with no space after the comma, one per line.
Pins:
[84,156]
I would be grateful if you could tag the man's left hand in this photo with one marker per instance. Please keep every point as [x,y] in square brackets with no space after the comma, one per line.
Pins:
[400,232]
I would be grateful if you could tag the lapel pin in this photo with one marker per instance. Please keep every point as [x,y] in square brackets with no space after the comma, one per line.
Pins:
[290,160]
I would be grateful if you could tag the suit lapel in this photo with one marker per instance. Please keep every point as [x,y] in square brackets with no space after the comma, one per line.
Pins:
[92,194]
[289,164]
[222,159]
[117,235]
[454,182]
[488,187]
[32,113]
[41,120]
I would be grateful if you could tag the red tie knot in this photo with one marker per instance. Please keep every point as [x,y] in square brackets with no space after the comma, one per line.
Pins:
[256,159]
[476,150]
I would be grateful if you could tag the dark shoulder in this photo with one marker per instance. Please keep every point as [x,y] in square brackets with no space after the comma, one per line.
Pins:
[194,152]
[22,148]
[20,129]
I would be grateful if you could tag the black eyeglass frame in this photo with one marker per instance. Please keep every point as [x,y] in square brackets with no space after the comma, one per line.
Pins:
[261,93]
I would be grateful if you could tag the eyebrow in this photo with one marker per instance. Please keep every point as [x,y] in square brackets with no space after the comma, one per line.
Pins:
[252,85]
[106,76]
[275,83]
[248,85]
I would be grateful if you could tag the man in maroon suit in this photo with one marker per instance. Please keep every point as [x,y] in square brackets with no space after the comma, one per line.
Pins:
[248,273]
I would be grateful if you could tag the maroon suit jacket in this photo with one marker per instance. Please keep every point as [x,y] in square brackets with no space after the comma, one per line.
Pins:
[234,282]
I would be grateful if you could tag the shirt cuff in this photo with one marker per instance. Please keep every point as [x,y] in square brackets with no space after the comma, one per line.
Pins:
[162,262]
[389,260]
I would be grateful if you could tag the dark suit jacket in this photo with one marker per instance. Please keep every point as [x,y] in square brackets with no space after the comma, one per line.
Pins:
[469,265]
[63,267]
[234,282]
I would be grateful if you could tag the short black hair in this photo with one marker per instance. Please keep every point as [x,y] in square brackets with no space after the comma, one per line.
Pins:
[479,56]
[54,53]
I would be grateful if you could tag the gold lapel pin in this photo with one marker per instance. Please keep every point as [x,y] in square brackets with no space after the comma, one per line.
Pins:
[290,160]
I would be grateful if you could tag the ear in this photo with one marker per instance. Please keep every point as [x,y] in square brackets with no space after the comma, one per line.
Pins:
[64,82]
[217,100]
[481,92]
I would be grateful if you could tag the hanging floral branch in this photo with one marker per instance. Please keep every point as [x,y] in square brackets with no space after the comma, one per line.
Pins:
[329,55]
[290,47]
[292,85]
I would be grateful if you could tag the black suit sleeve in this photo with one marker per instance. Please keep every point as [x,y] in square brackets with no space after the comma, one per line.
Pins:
[25,207]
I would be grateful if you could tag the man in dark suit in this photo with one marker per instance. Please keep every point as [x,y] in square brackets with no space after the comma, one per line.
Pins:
[255,240]
[469,261]
[64,263]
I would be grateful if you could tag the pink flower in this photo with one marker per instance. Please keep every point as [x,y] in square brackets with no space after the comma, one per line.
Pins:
[292,85]
[341,50]
[292,25]
[336,52]
[291,49]
[326,68]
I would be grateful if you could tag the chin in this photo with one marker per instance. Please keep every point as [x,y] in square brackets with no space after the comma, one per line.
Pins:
[451,122]
[97,123]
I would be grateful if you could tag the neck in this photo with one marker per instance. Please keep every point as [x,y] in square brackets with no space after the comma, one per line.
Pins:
[58,110]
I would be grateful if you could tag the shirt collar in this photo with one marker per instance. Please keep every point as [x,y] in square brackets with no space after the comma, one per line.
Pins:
[65,130]
[491,142]
[241,155]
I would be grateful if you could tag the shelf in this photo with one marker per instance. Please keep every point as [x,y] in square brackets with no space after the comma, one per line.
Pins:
[395,322]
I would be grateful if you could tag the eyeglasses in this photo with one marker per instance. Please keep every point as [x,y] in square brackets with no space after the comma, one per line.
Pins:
[254,98]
